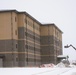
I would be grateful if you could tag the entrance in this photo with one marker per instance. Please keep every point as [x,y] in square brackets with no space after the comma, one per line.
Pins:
[1,62]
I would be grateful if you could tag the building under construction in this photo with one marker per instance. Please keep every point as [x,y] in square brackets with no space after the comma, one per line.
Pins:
[25,42]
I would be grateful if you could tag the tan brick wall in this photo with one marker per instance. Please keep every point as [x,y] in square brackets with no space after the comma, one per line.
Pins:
[57,33]
[29,24]
[15,26]
[44,30]
[5,26]
[21,20]
[37,28]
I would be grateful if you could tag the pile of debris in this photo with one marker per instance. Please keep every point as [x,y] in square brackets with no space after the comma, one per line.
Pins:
[62,64]
[65,64]
[51,65]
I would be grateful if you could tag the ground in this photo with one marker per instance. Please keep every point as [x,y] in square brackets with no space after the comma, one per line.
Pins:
[38,71]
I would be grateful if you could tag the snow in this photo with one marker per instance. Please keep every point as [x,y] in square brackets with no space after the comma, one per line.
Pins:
[38,71]
[45,69]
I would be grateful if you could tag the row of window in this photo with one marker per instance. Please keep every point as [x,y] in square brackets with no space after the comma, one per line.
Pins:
[57,42]
[31,24]
[32,48]
[32,34]
[28,23]
[57,34]
[32,60]
[32,37]
[32,43]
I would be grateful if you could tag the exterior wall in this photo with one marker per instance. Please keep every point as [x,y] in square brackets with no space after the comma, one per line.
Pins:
[51,44]
[30,38]
[8,39]
[21,41]
[26,42]
[45,45]
[57,42]
[5,26]
[32,34]
[29,35]
[37,43]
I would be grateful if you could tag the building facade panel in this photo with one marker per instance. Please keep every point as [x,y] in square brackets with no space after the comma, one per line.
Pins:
[14,26]
[50,40]
[21,32]
[5,25]
[9,50]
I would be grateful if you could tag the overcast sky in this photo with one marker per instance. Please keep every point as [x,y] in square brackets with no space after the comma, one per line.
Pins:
[60,12]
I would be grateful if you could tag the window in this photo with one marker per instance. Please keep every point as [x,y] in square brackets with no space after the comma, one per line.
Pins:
[25,20]
[26,46]
[36,27]
[16,32]
[26,59]
[15,19]
[30,23]
[17,59]
[16,46]
[25,33]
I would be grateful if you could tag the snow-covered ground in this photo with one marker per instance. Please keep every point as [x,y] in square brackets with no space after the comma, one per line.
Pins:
[44,69]
[37,71]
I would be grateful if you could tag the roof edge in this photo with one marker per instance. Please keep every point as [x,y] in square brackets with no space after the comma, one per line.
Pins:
[1,11]
[49,24]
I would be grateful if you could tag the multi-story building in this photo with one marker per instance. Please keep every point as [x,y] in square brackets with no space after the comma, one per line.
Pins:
[51,43]
[24,41]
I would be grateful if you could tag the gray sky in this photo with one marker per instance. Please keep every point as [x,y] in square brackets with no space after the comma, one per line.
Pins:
[60,12]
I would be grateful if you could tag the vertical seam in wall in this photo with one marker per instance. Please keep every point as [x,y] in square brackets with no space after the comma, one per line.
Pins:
[40,47]
[34,43]
[48,42]
[12,38]
[26,40]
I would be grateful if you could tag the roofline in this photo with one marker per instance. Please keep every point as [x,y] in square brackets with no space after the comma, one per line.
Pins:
[30,17]
[49,24]
[1,11]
